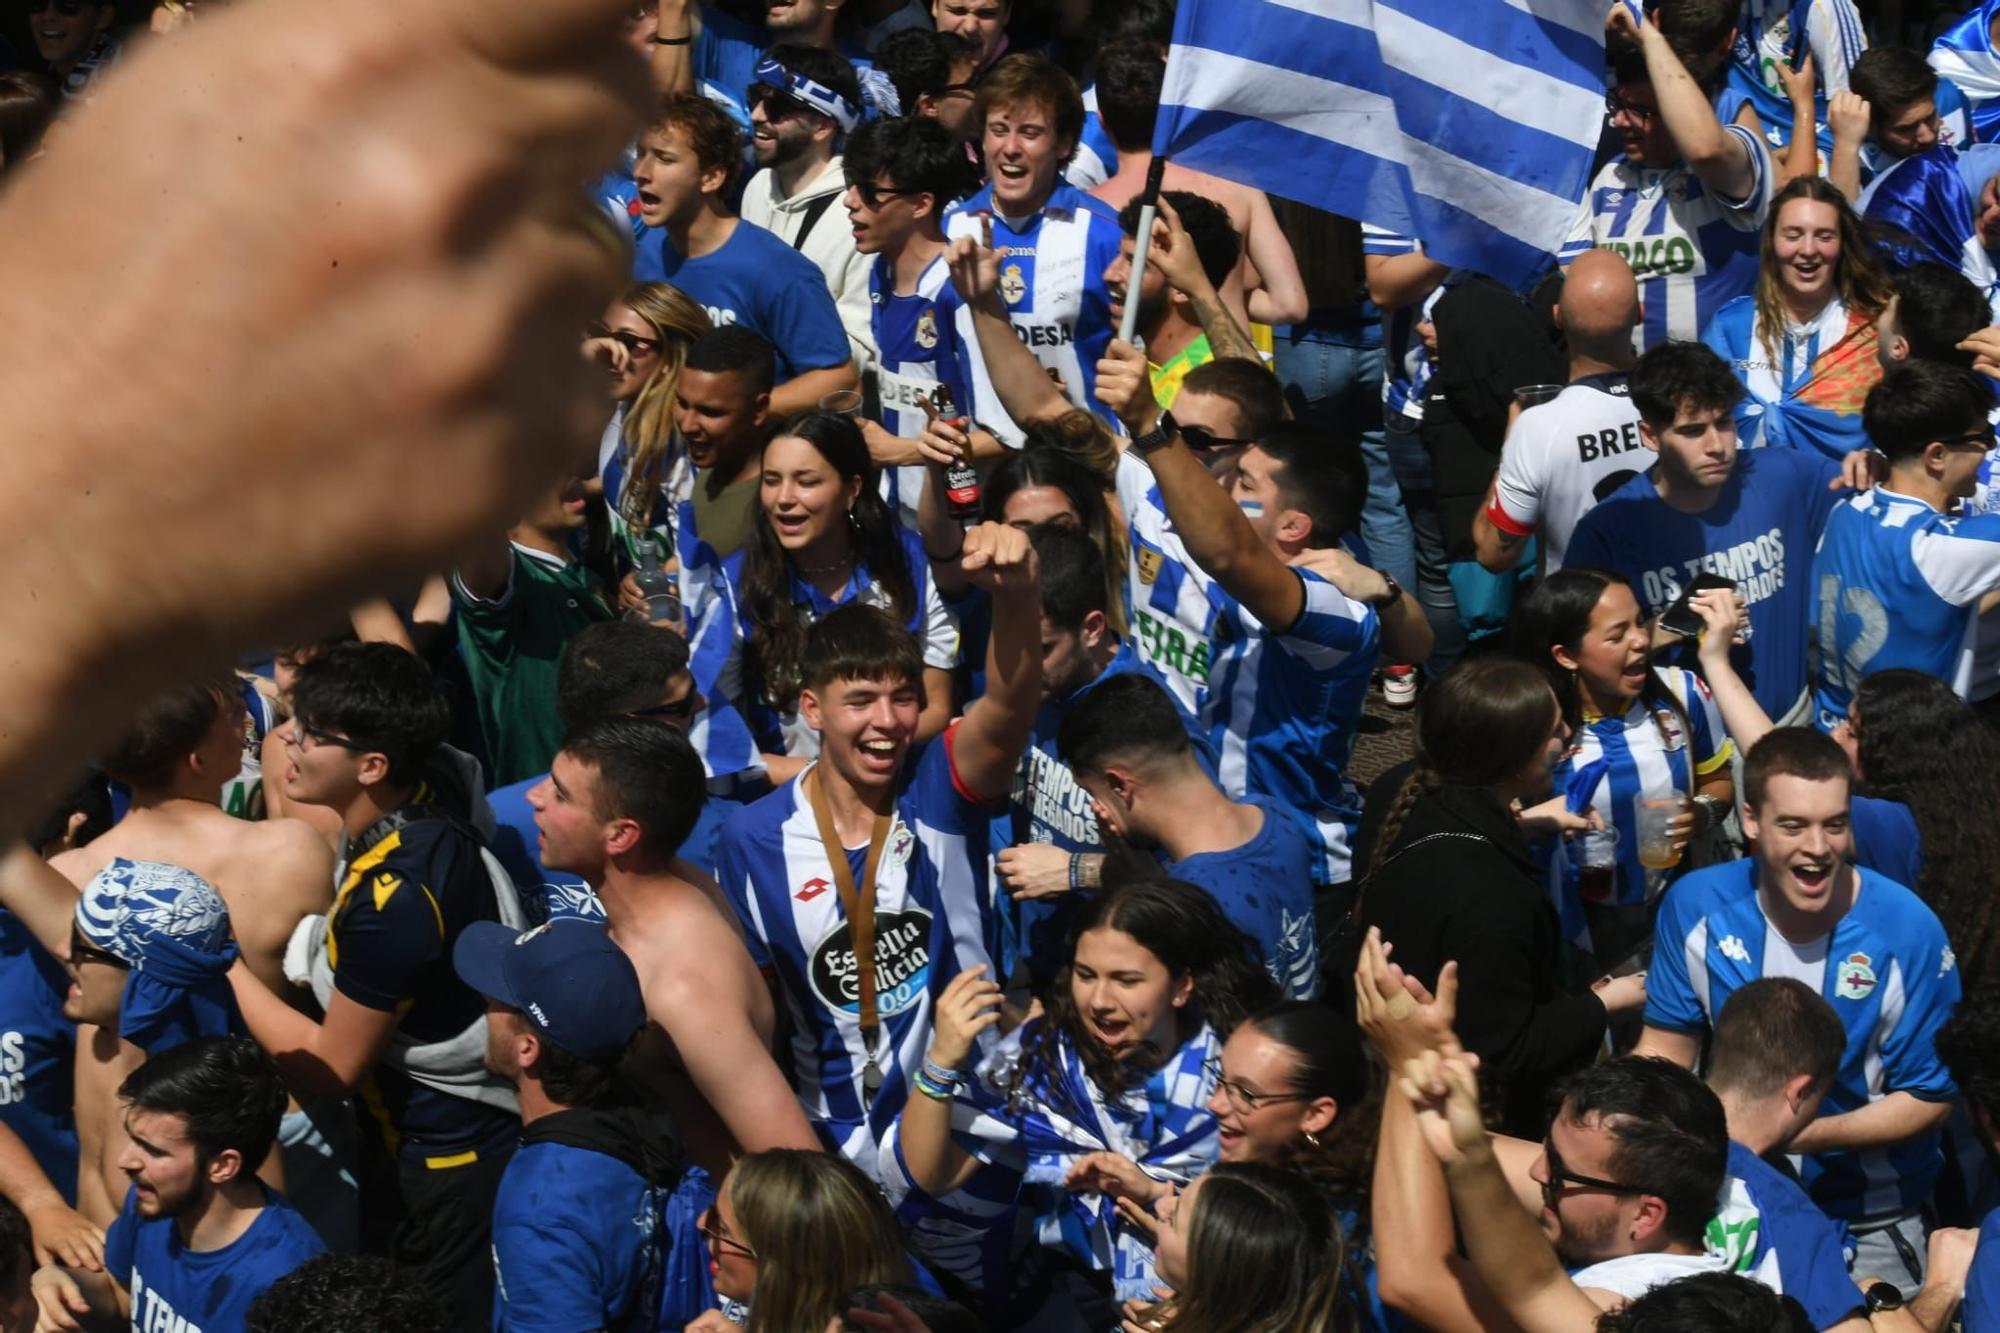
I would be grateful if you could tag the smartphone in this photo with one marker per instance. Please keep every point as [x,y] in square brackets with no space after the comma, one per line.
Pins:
[1684,620]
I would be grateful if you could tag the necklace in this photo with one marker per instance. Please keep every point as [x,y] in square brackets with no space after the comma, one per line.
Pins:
[831,566]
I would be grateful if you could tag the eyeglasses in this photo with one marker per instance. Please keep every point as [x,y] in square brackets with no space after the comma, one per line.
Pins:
[631,342]
[872,194]
[1243,1099]
[1985,438]
[1560,1175]
[1645,115]
[778,104]
[69,9]
[1202,438]
[81,951]
[305,739]
[710,1227]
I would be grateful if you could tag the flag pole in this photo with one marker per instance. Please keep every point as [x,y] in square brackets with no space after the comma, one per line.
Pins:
[1149,208]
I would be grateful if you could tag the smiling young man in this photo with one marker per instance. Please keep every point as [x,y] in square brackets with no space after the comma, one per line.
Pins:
[1797,908]
[1056,241]
[200,1236]
[879,849]
[739,272]
[73,38]
[1752,516]
[1898,579]
[623,794]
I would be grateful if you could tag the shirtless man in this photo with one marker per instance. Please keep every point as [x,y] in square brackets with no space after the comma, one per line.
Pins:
[176,757]
[621,795]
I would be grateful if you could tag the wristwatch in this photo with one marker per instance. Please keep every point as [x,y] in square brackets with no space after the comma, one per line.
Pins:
[1390,597]
[1158,435]
[1882,1296]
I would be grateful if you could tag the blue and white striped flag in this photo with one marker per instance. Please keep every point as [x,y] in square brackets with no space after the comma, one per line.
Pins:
[1469,124]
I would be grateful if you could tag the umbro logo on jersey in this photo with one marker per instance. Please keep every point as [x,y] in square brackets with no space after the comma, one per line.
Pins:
[811,889]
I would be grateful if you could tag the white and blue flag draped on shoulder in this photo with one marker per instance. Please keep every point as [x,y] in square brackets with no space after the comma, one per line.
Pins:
[1468,123]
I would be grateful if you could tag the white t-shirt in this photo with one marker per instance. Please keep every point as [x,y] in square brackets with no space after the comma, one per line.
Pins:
[1562,457]
[1633,1275]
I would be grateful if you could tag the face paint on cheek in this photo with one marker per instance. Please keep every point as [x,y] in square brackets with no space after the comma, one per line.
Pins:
[1252,509]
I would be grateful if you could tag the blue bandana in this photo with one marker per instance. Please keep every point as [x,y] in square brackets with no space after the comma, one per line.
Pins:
[170,926]
[815,95]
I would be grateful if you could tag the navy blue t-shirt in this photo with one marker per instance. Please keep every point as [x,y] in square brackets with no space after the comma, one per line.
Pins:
[1266,888]
[758,281]
[1761,531]
[37,1054]
[203,1291]
[1886,840]
[1981,1311]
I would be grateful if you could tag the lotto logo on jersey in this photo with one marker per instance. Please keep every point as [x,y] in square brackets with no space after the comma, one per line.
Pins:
[1857,978]
[902,964]
[811,889]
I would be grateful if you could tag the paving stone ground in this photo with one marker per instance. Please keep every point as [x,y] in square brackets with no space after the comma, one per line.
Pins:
[1387,737]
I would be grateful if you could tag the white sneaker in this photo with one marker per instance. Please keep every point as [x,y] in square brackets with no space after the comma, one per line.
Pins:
[1399,685]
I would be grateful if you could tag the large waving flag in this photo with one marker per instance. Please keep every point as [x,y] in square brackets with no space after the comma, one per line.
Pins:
[1964,54]
[1469,124]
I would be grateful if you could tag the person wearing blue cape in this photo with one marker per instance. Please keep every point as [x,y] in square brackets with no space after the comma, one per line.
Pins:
[1967,55]
[1940,205]
[1804,343]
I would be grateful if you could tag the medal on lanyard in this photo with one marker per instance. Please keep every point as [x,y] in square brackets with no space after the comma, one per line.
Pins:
[858,902]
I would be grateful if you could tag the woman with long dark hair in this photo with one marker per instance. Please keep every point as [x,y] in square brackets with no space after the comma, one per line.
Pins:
[1452,877]
[1804,342]
[1124,1060]
[823,537]
[1251,1248]
[1643,734]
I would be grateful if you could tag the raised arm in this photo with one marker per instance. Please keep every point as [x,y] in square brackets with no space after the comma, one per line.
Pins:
[317,1059]
[1802,154]
[1722,618]
[1026,392]
[1280,296]
[1218,536]
[673,46]
[988,743]
[1173,251]
[38,893]
[1719,158]
[937,1165]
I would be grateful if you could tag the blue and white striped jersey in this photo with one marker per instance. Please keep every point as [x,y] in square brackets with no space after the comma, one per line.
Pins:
[1767,33]
[1897,584]
[1964,54]
[1052,280]
[243,794]
[1096,159]
[1886,970]
[933,919]
[1769,1229]
[1692,250]
[921,346]
[1648,754]
[1281,709]
[1406,366]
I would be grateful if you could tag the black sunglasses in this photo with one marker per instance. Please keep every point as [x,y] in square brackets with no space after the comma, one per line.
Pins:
[1202,438]
[872,194]
[1560,1175]
[779,104]
[81,951]
[680,710]
[1984,438]
[631,342]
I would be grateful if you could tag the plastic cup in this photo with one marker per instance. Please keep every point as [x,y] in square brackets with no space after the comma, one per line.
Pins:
[1533,395]
[842,402]
[1594,854]
[1656,842]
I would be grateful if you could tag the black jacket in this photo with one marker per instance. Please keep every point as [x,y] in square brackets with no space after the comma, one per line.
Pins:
[1476,899]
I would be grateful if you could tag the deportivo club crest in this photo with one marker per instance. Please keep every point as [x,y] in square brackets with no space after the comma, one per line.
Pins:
[927,330]
[1012,285]
[1856,977]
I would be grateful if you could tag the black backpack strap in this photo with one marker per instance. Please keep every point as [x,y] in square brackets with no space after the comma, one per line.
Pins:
[812,213]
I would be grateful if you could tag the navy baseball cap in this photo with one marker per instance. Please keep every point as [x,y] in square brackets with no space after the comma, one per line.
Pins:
[574,985]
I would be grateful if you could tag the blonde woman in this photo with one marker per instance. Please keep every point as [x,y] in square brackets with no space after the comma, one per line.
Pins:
[790,1234]
[642,344]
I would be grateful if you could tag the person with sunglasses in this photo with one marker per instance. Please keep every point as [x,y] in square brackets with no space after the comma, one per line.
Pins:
[367,718]
[804,105]
[623,794]
[75,41]
[517,604]
[1898,579]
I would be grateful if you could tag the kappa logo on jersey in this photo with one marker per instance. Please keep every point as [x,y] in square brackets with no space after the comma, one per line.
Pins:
[1947,961]
[926,334]
[1012,285]
[811,889]
[1857,978]
[902,964]
[1732,949]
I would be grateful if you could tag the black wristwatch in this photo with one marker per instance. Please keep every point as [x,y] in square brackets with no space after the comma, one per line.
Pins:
[1392,596]
[1157,436]
[1882,1296]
